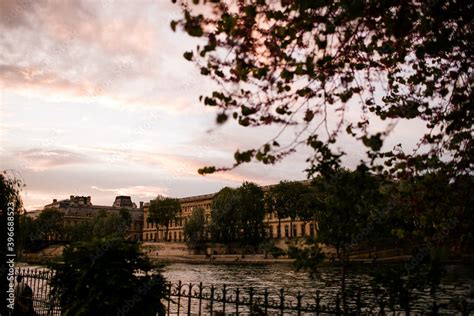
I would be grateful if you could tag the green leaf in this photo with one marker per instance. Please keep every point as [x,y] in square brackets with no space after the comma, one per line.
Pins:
[374,142]
[221,118]
[173,25]
[207,170]
[188,56]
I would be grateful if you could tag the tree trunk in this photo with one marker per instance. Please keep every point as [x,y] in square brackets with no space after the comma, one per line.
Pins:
[166,235]
[279,228]
[291,227]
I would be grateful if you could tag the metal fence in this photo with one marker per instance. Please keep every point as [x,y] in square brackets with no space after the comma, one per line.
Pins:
[190,299]
[38,280]
[199,299]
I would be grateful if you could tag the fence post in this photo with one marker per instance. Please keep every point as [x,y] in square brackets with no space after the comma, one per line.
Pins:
[318,302]
[338,303]
[189,298]
[435,308]
[237,292]
[298,298]
[169,297]
[200,297]
[265,294]
[282,301]
[251,300]
[179,296]
[358,304]
[45,287]
[382,307]
[224,292]
[212,297]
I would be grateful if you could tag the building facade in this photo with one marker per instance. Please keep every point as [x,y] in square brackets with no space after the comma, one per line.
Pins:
[152,233]
[80,208]
[277,229]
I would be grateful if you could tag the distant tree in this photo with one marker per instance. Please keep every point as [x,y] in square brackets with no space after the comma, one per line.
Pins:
[50,224]
[225,216]
[195,229]
[104,225]
[162,210]
[305,64]
[251,213]
[28,234]
[125,216]
[11,206]
[285,199]
[432,204]
[111,225]
[100,278]
[308,205]
[81,231]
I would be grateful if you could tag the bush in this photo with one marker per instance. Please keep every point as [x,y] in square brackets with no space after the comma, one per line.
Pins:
[277,252]
[100,278]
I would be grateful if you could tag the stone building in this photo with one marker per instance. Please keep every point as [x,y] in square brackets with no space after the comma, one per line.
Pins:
[176,227]
[79,208]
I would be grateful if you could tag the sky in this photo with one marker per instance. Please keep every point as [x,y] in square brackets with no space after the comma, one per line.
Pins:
[97,100]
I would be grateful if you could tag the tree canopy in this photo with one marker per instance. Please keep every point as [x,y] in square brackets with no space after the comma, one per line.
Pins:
[115,225]
[237,215]
[100,278]
[195,228]
[50,224]
[306,63]
[251,213]
[162,210]
[224,216]
[285,200]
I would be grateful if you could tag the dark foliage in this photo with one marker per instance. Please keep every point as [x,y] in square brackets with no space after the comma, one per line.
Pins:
[100,278]
[299,63]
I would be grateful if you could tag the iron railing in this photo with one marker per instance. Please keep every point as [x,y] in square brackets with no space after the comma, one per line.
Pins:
[200,299]
[38,280]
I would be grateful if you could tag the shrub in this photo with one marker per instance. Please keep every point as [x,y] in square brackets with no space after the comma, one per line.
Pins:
[101,278]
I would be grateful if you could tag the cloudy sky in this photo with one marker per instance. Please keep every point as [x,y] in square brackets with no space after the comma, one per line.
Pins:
[96,99]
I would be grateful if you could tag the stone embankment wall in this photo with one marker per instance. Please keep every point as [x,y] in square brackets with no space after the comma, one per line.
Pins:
[165,249]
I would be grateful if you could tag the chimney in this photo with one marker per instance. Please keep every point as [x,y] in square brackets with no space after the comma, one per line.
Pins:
[141,204]
[89,200]
[54,200]
[71,198]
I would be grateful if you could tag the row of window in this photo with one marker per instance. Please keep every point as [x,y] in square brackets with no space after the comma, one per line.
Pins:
[275,230]
[179,222]
[174,223]
[172,236]
[206,206]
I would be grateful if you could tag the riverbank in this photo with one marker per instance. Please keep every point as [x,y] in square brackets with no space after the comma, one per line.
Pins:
[221,259]
[53,254]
